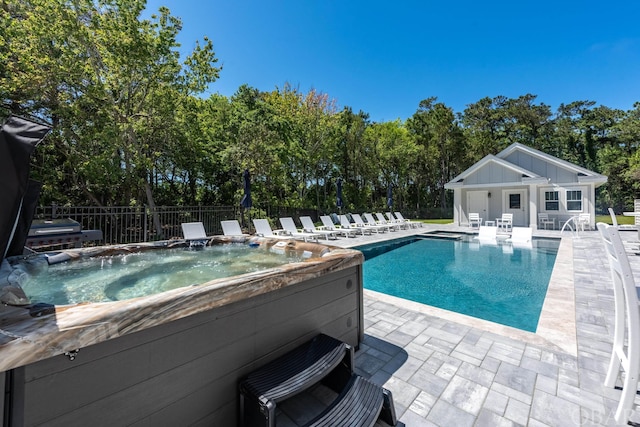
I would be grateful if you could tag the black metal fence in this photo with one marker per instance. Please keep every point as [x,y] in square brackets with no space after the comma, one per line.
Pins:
[130,224]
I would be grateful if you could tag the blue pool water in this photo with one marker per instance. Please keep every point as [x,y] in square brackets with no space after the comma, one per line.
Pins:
[502,284]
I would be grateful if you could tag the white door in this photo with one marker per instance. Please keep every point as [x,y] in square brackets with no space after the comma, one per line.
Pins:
[478,201]
[515,202]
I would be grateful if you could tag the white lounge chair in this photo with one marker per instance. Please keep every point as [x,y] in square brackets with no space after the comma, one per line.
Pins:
[232,228]
[327,224]
[263,228]
[371,220]
[310,227]
[358,222]
[627,313]
[290,228]
[487,235]
[474,220]
[411,223]
[194,234]
[393,220]
[383,221]
[346,224]
[521,237]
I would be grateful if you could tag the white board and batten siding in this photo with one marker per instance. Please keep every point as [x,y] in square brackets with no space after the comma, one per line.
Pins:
[553,172]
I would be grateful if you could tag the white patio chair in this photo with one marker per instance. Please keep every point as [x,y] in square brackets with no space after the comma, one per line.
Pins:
[358,222]
[544,221]
[310,227]
[290,228]
[194,234]
[263,228]
[584,221]
[232,228]
[505,222]
[474,220]
[626,312]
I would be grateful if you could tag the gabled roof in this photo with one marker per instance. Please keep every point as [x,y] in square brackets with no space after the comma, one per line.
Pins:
[584,175]
[579,170]
[490,158]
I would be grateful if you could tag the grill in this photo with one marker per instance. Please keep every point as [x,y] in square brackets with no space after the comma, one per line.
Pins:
[54,232]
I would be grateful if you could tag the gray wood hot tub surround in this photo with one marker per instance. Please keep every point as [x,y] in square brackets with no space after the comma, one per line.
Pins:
[173,358]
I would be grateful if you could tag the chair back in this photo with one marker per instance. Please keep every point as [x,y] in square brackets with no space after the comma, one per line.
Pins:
[614,220]
[507,217]
[618,260]
[624,285]
[263,228]
[626,314]
[521,234]
[381,218]
[344,222]
[370,219]
[193,231]
[357,219]
[542,216]
[487,233]
[307,223]
[288,225]
[474,216]
[399,216]
[231,228]
[327,222]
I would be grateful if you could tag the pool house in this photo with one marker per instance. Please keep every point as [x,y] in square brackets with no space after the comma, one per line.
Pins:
[525,182]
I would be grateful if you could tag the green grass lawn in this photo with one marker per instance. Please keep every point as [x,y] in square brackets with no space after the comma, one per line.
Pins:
[622,220]
[437,221]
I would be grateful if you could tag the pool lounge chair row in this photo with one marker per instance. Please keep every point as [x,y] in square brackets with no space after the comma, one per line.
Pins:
[348,227]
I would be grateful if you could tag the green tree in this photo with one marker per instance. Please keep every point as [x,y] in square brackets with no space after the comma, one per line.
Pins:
[109,82]
[436,130]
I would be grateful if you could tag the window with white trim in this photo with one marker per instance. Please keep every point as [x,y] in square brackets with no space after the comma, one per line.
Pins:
[551,201]
[574,200]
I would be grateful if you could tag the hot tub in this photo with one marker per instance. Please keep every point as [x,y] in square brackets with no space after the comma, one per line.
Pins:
[171,358]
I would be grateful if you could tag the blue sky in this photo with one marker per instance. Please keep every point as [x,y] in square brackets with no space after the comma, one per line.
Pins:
[385,57]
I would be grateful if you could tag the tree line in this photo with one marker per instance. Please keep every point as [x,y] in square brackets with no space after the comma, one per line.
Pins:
[131,124]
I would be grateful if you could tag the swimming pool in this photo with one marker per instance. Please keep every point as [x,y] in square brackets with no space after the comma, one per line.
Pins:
[500,283]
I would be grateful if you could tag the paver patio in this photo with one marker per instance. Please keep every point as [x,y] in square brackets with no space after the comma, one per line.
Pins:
[446,369]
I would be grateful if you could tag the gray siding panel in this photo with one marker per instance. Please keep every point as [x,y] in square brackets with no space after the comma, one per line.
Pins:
[492,174]
[186,372]
[542,168]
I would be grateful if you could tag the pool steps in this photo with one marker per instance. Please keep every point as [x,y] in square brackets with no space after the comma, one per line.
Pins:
[322,359]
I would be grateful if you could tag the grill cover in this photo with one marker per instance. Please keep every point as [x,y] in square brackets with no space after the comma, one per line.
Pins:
[18,140]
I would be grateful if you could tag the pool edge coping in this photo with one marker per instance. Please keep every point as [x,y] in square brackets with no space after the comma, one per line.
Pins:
[557,326]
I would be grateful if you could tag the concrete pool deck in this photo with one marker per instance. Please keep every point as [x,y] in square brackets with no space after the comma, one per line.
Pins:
[447,369]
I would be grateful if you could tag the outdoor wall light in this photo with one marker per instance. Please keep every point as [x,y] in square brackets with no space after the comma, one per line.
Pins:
[489,195]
